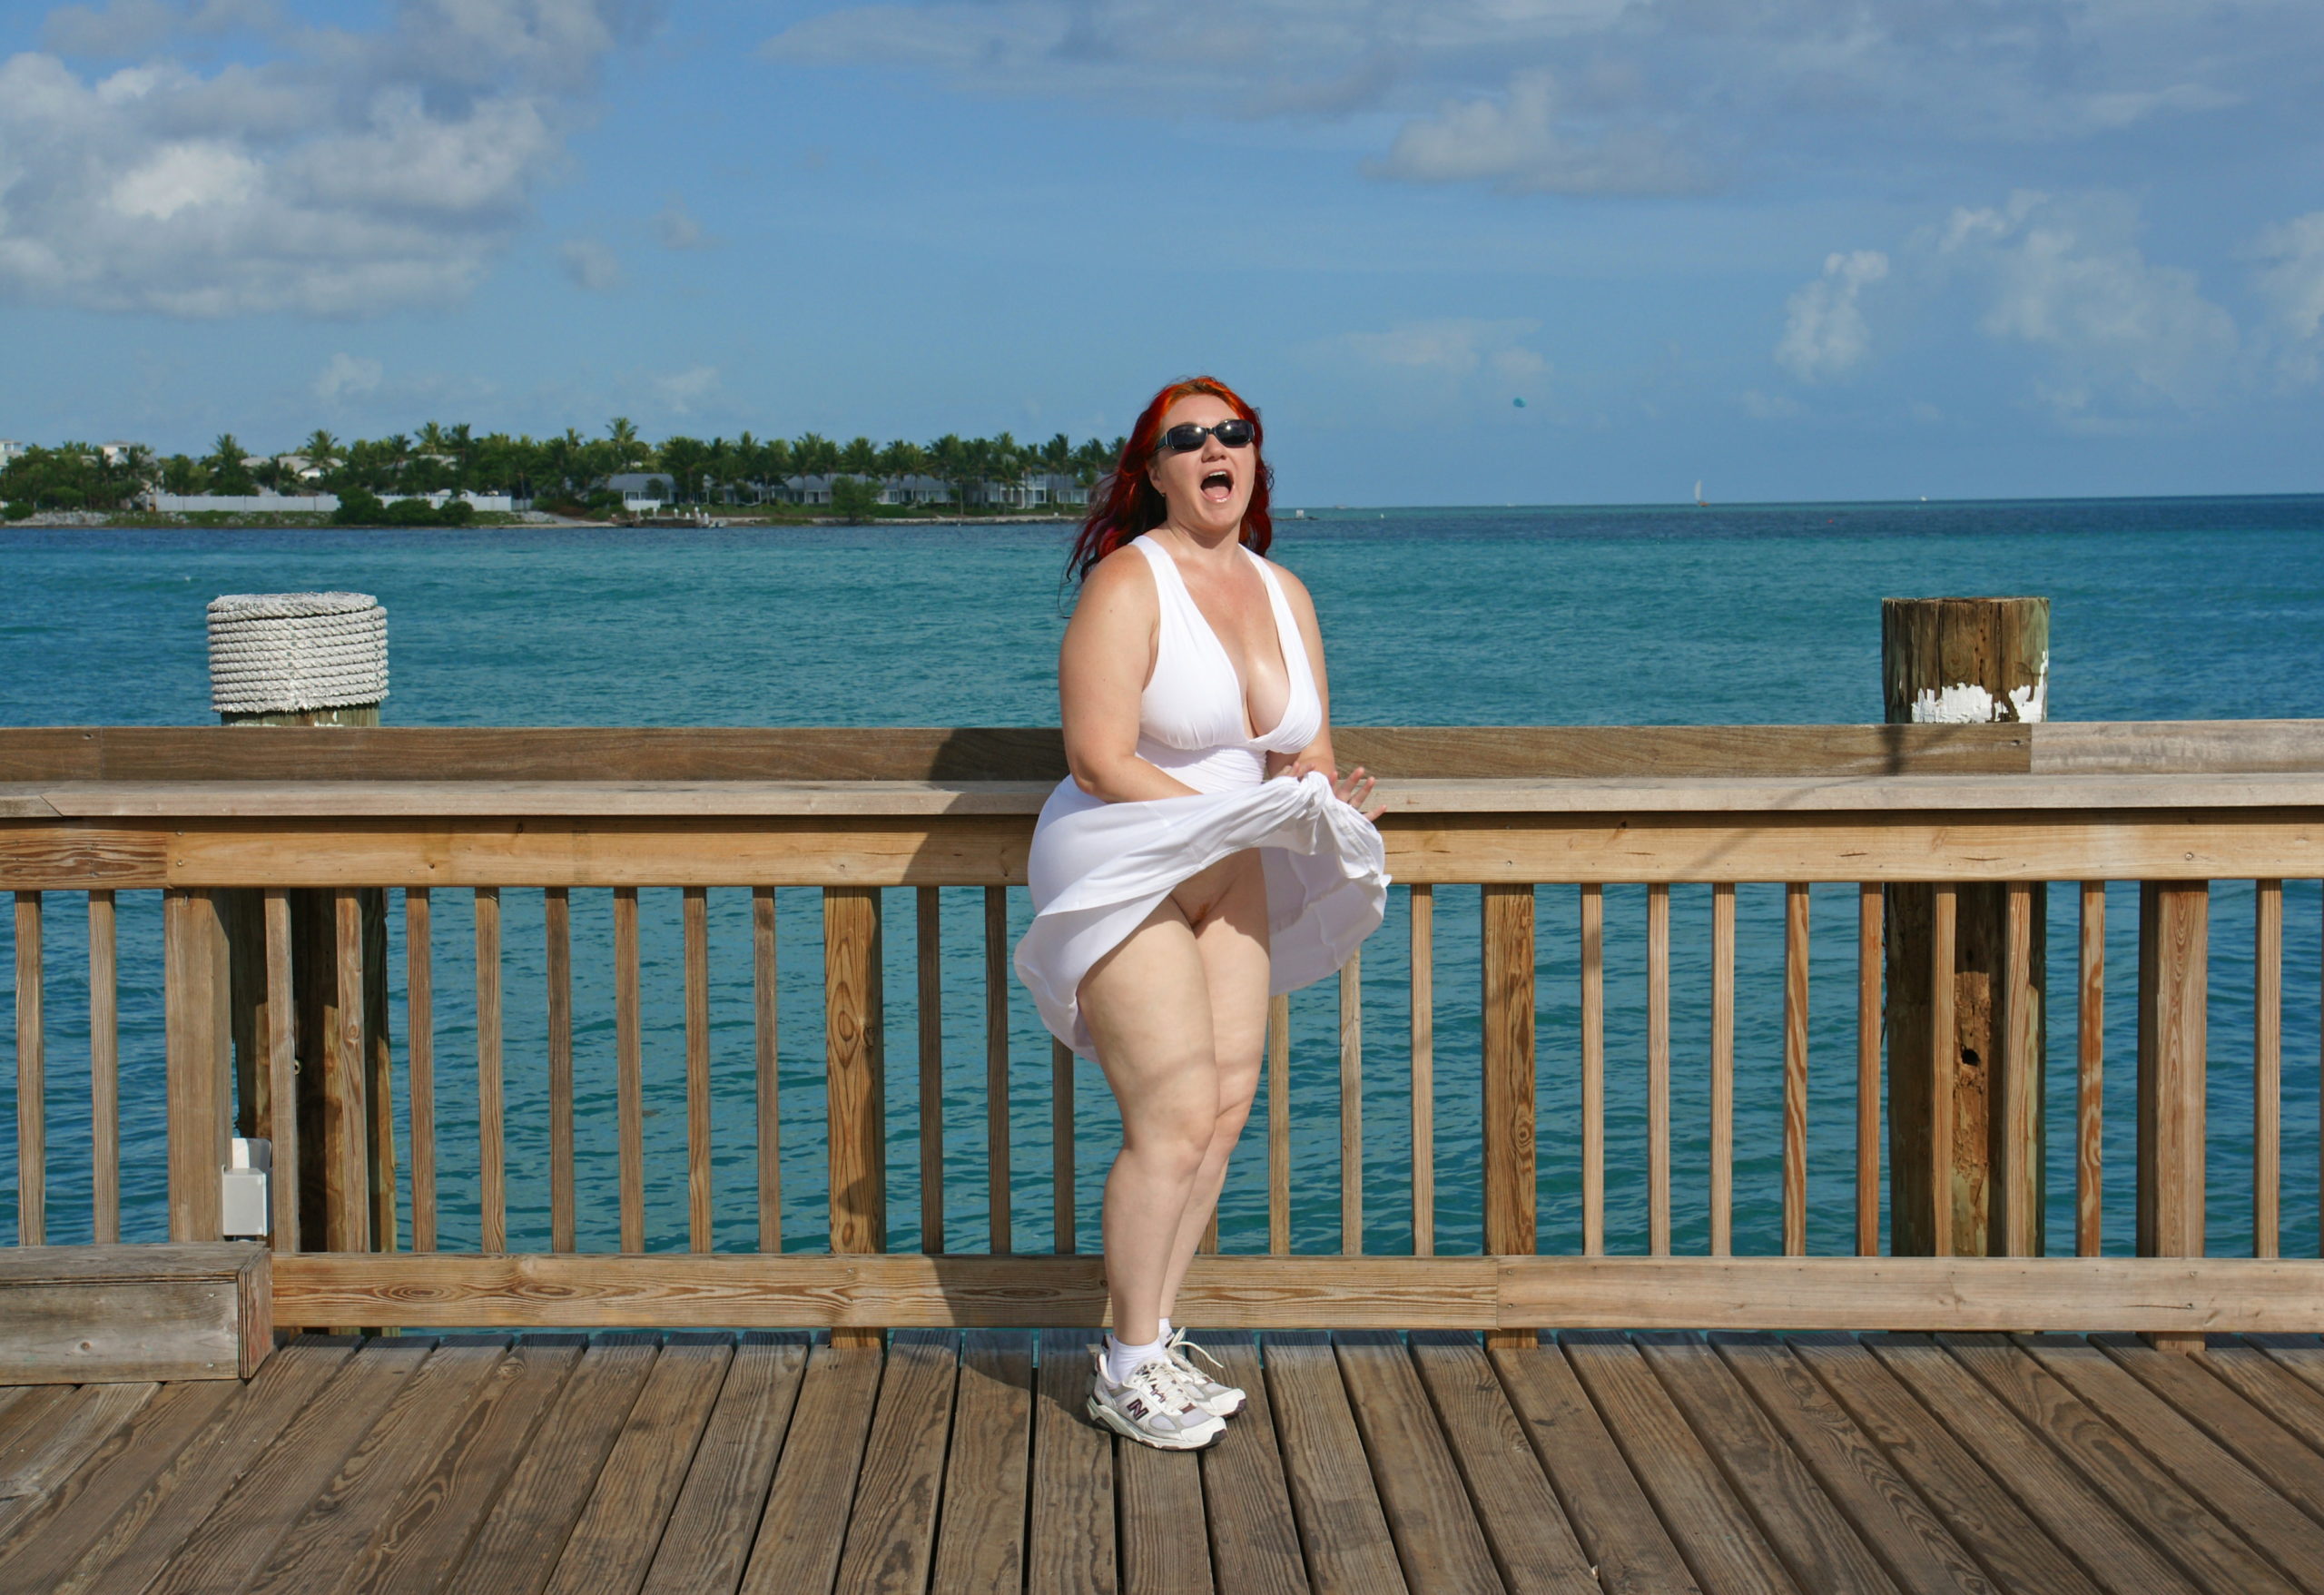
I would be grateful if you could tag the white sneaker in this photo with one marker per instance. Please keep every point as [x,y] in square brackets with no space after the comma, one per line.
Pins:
[1221,1400]
[1153,1406]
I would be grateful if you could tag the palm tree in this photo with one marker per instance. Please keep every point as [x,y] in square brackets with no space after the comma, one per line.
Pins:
[322,449]
[623,435]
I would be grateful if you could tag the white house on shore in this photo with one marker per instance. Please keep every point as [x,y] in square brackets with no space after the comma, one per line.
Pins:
[12,450]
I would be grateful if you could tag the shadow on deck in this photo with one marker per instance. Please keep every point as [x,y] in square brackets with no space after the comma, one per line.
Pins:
[1365,1464]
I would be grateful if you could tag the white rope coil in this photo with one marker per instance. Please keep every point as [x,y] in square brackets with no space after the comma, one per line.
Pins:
[275,653]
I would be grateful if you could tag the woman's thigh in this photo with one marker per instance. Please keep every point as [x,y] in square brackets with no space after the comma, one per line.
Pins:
[1230,932]
[1148,1006]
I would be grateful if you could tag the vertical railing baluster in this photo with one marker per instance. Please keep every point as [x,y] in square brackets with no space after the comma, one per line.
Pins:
[104,1069]
[556,927]
[2090,1074]
[2174,934]
[1510,1189]
[1722,1069]
[1943,1044]
[1593,1069]
[1424,1062]
[282,1069]
[770,1097]
[930,952]
[1795,1069]
[853,1080]
[2018,1181]
[2267,1066]
[1657,1069]
[1061,1146]
[419,1009]
[198,1018]
[492,1165]
[696,915]
[997,981]
[1352,1104]
[1278,1125]
[346,1107]
[629,1069]
[32,1094]
[1870,929]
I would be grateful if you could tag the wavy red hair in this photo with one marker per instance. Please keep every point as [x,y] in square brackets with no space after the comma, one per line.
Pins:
[1125,504]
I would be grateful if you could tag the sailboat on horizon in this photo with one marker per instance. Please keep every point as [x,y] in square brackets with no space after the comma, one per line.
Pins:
[1700,502]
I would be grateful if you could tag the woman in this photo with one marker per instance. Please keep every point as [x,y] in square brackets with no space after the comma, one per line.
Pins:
[1204,853]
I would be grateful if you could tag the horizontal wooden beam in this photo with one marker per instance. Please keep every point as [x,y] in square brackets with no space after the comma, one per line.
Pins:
[447,1290]
[991,850]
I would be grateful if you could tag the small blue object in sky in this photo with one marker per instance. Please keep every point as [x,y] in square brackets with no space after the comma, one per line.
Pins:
[1520,403]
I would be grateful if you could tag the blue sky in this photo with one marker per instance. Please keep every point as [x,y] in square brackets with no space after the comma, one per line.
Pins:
[1797,249]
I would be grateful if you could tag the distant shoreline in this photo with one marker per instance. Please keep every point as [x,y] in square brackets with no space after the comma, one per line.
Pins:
[486,520]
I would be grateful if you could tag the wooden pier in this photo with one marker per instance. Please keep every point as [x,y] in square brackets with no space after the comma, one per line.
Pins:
[1647,1464]
[2019,1408]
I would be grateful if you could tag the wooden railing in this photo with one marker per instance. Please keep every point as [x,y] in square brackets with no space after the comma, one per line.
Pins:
[257,838]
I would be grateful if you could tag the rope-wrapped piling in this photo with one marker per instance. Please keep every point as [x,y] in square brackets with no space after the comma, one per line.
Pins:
[287,653]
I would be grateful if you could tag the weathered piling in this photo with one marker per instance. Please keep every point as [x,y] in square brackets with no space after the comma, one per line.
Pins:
[1964,1089]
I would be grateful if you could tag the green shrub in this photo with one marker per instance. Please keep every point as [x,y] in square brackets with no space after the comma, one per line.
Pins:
[855,499]
[18,509]
[358,508]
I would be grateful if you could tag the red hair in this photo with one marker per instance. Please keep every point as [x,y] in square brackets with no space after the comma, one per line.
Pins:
[1126,504]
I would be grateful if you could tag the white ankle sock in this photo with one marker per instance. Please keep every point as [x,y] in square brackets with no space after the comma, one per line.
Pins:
[1122,1360]
[1166,1332]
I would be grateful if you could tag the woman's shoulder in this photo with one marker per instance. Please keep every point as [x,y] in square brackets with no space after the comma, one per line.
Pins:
[1293,587]
[1122,576]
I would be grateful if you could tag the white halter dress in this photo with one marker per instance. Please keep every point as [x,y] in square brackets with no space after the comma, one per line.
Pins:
[1097,869]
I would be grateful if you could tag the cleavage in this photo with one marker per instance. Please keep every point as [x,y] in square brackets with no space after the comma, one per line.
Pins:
[1246,680]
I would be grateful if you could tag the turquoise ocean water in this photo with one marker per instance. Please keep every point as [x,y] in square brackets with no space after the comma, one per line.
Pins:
[2161,609]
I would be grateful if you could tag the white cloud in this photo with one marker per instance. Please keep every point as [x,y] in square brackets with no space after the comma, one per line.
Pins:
[674,225]
[2290,279]
[683,393]
[1451,348]
[590,264]
[1770,407]
[1825,333]
[1525,141]
[345,376]
[338,173]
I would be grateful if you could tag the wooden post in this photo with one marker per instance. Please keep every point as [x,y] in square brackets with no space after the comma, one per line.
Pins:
[198,1027]
[2174,935]
[1508,1078]
[1966,660]
[852,1080]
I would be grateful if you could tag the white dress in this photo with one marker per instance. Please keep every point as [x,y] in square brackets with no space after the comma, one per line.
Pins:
[1097,869]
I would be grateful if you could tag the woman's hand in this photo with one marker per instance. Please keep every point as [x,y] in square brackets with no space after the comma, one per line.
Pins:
[1356,790]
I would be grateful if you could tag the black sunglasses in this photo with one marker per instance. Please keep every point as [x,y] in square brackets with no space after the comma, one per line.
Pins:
[1236,433]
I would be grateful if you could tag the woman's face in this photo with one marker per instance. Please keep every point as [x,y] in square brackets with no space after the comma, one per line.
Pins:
[1209,488]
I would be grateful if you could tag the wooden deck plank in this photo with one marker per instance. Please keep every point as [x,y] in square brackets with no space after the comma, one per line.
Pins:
[2146,1496]
[2302,1355]
[44,1457]
[805,1527]
[1071,1548]
[612,1545]
[362,1496]
[708,1540]
[1341,1526]
[980,1540]
[1438,1539]
[32,1407]
[2193,1389]
[1165,1550]
[891,1531]
[515,1548]
[1800,1520]
[1533,1545]
[234,1542]
[143,1534]
[2207,1469]
[43,1549]
[1610,1514]
[2253,1374]
[1254,1537]
[1711,1528]
[1988,1519]
[1848,1464]
[443,1512]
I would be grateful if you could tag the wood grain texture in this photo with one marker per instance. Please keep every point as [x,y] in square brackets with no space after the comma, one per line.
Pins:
[998,981]
[2090,1074]
[2267,1066]
[1612,1519]
[1985,1516]
[629,1069]
[928,952]
[613,1543]
[1938,1159]
[1847,1467]
[700,1196]
[53,856]
[707,1540]
[1351,1104]
[1421,903]
[1722,1071]
[419,1061]
[2296,1406]
[1070,1543]
[891,1525]
[556,934]
[1341,1525]
[805,1527]
[281,1068]
[347,1114]
[515,1550]
[1869,957]
[769,1103]
[2134,1485]
[2173,999]
[198,1043]
[104,1071]
[1534,1546]
[492,1159]
[980,1537]
[117,1314]
[1422,1492]
[34,1464]
[1254,1536]
[2191,1392]
[1279,1125]
[1160,1497]
[1723,1547]
[2017,1162]
[1794,1070]
[1593,1069]
[1508,1110]
[858,1132]
[1658,1070]
[31,1082]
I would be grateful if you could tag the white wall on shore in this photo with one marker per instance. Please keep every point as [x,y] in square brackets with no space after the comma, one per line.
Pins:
[310,503]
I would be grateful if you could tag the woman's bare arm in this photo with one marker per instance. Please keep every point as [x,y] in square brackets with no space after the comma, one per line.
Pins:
[1317,755]
[1102,672]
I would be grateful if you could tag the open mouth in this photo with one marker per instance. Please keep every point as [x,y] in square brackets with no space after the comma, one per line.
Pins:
[1218,486]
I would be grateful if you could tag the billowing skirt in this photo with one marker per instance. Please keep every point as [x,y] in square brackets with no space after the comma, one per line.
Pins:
[1097,869]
